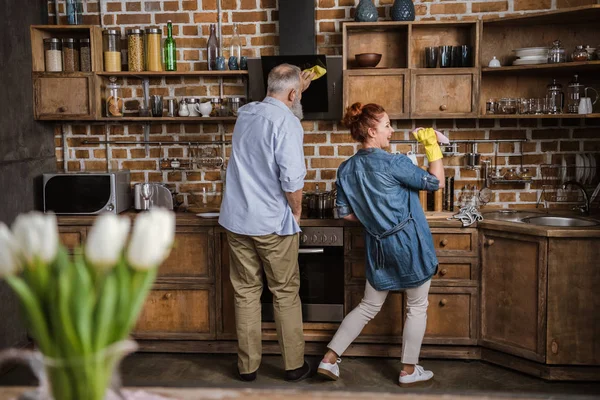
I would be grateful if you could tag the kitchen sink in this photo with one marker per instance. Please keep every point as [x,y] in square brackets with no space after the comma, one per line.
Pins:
[560,221]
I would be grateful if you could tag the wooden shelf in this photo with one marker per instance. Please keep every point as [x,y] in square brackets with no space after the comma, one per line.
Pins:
[568,66]
[537,116]
[575,15]
[173,73]
[166,120]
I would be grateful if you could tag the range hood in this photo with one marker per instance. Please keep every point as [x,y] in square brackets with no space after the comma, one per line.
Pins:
[297,46]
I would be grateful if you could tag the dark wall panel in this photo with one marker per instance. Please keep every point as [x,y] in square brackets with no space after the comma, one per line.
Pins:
[26,146]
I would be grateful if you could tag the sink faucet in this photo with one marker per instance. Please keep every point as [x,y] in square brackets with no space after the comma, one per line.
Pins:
[585,208]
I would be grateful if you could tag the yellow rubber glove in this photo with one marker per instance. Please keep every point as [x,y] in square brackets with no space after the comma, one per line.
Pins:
[317,70]
[428,138]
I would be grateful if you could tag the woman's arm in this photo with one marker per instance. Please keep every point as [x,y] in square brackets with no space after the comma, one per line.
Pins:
[436,168]
[351,217]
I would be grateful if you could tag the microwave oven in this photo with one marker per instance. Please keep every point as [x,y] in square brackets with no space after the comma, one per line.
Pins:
[86,193]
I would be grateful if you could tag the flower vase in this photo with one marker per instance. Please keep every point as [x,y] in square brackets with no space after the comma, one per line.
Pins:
[403,10]
[91,377]
[366,11]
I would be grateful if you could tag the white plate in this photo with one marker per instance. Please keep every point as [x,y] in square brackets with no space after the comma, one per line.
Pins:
[563,170]
[519,61]
[586,169]
[578,167]
[542,57]
[593,167]
[531,51]
[208,215]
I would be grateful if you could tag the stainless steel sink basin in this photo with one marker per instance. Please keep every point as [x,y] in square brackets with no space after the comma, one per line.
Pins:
[560,221]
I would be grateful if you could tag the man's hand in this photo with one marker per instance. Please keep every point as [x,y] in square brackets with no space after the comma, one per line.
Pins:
[297,218]
[306,78]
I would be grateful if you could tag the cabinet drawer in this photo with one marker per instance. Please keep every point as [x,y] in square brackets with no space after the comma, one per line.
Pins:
[193,257]
[454,242]
[451,316]
[456,269]
[443,94]
[177,314]
[388,88]
[59,97]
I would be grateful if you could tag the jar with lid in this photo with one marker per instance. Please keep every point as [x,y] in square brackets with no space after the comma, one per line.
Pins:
[135,50]
[153,49]
[218,109]
[70,55]
[507,106]
[579,54]
[114,101]
[234,104]
[85,55]
[53,54]
[111,49]
[556,54]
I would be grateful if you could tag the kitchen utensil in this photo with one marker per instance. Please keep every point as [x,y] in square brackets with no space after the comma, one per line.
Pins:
[586,169]
[578,165]
[154,195]
[592,166]
[171,107]
[531,51]
[157,106]
[555,98]
[585,106]
[367,60]
[596,191]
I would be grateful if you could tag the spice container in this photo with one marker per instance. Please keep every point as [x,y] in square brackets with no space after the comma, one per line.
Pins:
[507,106]
[579,54]
[556,54]
[53,55]
[85,55]
[70,55]
[234,104]
[135,49]
[114,101]
[218,110]
[153,49]
[111,47]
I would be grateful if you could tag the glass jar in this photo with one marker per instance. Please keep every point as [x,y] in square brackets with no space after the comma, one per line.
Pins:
[114,101]
[153,49]
[111,48]
[70,55]
[135,50]
[53,54]
[234,104]
[217,107]
[556,54]
[579,54]
[507,106]
[511,175]
[85,55]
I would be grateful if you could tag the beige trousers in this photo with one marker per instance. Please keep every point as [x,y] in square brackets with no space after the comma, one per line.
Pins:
[414,326]
[278,257]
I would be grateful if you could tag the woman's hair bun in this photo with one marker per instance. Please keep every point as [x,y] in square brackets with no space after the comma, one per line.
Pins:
[352,114]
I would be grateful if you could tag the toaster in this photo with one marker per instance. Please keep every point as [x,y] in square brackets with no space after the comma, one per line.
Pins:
[86,193]
[160,197]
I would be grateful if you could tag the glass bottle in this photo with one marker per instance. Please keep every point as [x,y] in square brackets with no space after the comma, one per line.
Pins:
[556,54]
[53,54]
[153,49]
[212,48]
[170,49]
[235,48]
[70,55]
[114,101]
[111,47]
[135,50]
[85,55]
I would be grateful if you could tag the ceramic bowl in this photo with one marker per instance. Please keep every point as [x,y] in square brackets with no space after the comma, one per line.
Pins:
[368,60]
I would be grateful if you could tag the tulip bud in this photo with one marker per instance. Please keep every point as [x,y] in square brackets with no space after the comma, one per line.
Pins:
[9,261]
[106,240]
[36,235]
[152,238]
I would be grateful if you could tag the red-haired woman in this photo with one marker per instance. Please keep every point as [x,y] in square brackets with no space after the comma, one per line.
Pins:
[381,191]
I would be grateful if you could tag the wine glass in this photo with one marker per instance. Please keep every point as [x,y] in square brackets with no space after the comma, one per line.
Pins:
[147,190]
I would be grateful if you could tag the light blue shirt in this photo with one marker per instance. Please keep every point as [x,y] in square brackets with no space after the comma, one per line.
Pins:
[267,160]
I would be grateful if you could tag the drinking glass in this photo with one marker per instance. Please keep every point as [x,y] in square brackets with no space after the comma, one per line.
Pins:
[466,56]
[445,56]
[537,106]
[431,57]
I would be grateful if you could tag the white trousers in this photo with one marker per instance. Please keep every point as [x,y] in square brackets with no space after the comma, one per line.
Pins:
[414,327]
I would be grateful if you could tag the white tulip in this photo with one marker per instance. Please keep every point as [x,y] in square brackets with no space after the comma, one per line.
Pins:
[36,235]
[106,240]
[152,238]
[9,260]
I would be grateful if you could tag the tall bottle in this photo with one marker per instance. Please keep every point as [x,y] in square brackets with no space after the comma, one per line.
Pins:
[170,49]
[212,48]
[235,48]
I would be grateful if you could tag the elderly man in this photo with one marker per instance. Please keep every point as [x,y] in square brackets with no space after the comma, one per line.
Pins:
[261,211]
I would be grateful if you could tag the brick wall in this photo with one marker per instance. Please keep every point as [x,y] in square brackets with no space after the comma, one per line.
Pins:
[327,144]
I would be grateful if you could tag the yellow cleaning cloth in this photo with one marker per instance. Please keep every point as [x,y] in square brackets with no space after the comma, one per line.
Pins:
[318,71]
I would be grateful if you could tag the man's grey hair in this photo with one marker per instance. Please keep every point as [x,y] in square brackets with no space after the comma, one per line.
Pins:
[283,78]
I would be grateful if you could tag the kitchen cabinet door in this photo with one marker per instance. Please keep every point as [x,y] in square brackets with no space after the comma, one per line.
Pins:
[192,259]
[513,293]
[436,93]
[72,237]
[452,316]
[64,96]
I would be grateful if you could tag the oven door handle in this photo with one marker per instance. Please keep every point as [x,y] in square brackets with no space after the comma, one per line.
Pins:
[318,250]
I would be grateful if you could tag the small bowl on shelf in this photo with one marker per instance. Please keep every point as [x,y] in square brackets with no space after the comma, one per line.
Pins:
[367,60]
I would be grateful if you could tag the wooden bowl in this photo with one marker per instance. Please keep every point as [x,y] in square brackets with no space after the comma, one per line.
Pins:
[367,60]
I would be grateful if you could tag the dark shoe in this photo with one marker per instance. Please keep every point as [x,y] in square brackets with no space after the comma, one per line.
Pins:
[295,375]
[247,377]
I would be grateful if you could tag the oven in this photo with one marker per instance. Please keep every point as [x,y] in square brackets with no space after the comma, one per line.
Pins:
[321,262]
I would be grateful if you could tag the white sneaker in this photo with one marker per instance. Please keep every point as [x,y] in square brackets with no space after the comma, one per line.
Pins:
[330,371]
[418,376]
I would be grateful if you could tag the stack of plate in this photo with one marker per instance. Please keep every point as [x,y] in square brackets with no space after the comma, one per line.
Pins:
[531,55]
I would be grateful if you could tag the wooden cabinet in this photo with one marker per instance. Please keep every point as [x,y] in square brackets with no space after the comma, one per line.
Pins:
[72,237]
[452,316]
[192,260]
[400,83]
[65,96]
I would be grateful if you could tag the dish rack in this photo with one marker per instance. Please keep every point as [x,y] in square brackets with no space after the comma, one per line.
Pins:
[554,176]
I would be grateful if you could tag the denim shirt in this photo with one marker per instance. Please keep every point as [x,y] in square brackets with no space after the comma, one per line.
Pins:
[381,189]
